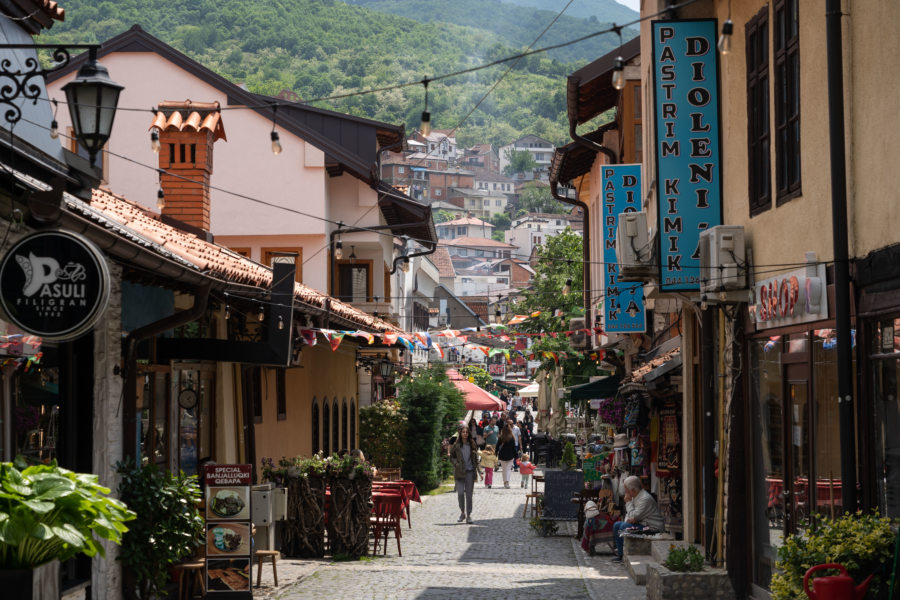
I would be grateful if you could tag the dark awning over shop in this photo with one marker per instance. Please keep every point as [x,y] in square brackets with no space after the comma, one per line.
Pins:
[602,388]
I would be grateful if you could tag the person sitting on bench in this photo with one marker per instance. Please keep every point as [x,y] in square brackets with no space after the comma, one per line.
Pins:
[642,514]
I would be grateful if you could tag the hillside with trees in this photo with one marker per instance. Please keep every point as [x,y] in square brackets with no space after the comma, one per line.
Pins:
[326,51]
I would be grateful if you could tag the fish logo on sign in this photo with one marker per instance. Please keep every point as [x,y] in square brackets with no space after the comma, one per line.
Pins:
[42,271]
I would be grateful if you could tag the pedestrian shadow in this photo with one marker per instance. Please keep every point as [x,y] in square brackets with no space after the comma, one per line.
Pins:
[556,588]
[520,542]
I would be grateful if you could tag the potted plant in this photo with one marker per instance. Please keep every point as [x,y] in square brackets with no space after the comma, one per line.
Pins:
[169,526]
[351,504]
[47,515]
[303,533]
[568,460]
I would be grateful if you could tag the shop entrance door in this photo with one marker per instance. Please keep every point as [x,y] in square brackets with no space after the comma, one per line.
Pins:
[796,481]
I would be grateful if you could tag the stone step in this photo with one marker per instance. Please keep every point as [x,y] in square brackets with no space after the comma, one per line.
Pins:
[636,566]
[659,549]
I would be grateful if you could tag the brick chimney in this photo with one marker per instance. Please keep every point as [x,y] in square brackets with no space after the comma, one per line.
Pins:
[187,132]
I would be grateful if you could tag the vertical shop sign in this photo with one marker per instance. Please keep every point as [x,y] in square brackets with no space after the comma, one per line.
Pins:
[688,145]
[623,304]
[228,531]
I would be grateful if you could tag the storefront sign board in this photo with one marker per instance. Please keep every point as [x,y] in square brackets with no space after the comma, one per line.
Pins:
[623,303]
[688,145]
[228,531]
[791,298]
[54,284]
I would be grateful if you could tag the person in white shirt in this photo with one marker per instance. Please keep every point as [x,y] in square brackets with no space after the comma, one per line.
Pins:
[517,435]
[641,511]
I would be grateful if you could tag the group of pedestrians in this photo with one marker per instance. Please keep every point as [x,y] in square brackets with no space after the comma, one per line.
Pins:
[497,440]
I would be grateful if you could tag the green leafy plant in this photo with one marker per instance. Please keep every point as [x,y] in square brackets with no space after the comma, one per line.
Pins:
[684,559]
[48,513]
[299,466]
[347,467]
[568,460]
[382,431]
[863,543]
[169,526]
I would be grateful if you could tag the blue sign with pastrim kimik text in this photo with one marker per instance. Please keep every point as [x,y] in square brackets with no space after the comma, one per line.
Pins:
[623,303]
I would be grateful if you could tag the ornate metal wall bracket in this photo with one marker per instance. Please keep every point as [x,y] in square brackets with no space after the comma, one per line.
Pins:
[20,83]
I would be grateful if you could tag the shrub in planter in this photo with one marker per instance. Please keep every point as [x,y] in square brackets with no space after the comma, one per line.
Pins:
[863,543]
[684,559]
[568,460]
[382,431]
[49,513]
[303,533]
[351,497]
[168,527]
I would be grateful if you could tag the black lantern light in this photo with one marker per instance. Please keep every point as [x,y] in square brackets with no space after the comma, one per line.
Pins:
[92,98]
[385,368]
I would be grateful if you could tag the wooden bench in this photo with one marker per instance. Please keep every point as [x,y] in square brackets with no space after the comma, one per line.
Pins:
[532,499]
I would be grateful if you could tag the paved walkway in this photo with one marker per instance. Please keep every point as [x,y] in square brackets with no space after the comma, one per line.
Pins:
[499,556]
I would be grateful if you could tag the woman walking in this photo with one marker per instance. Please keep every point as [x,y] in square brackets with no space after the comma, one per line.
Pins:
[506,452]
[464,456]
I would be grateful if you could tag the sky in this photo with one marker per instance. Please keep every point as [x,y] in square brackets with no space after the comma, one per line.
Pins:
[634,5]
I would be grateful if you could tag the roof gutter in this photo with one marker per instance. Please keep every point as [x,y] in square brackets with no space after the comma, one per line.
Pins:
[585,248]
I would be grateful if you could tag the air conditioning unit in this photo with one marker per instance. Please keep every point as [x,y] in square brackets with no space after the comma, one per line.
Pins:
[634,253]
[580,338]
[723,261]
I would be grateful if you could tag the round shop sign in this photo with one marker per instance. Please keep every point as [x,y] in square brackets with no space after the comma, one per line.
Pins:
[54,284]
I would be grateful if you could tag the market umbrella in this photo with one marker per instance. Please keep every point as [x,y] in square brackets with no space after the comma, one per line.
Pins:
[530,391]
[558,421]
[476,398]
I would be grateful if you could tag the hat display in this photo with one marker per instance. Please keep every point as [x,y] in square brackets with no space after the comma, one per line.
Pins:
[591,509]
[621,441]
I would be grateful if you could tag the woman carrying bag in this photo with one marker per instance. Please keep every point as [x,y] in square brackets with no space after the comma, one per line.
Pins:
[507,452]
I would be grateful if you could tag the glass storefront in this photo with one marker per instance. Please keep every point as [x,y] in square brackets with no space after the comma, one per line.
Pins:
[884,352]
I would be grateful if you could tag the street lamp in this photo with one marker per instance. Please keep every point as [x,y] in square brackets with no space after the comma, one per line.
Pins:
[385,368]
[92,98]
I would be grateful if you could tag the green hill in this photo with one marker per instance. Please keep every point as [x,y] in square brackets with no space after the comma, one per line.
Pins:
[323,48]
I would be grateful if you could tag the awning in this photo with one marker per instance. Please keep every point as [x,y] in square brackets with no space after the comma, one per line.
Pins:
[476,397]
[602,388]
[406,216]
[529,391]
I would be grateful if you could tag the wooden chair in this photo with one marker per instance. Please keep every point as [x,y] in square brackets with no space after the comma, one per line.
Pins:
[396,486]
[389,474]
[386,519]
[190,579]
[535,480]
[273,556]
[533,500]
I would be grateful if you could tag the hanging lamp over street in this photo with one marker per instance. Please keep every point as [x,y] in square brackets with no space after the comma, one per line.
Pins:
[93,98]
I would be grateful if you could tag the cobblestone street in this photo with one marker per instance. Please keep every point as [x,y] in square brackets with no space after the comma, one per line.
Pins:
[499,556]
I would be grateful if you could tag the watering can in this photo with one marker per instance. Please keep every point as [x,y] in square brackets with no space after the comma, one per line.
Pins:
[835,587]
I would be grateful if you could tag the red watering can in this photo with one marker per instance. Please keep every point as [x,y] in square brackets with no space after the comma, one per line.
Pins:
[835,587]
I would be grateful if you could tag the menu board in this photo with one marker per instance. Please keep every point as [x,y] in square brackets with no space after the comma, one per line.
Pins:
[228,531]
[559,489]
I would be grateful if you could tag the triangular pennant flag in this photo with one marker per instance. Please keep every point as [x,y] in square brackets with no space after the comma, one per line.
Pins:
[536,313]
[424,338]
[484,349]
[390,337]
[508,359]
[309,336]
[439,349]
[517,319]
[406,343]
[336,338]
[365,335]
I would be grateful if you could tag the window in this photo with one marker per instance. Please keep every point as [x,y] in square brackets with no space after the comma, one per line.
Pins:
[281,393]
[315,426]
[354,281]
[251,380]
[335,425]
[437,191]
[487,201]
[463,252]
[326,428]
[245,252]
[787,99]
[344,425]
[497,202]
[758,141]
[460,231]
[269,255]
[401,170]
[352,422]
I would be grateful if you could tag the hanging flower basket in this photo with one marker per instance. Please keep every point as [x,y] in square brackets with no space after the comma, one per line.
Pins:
[612,411]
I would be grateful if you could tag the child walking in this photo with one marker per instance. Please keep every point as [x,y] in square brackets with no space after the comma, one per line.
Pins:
[526,468]
[488,462]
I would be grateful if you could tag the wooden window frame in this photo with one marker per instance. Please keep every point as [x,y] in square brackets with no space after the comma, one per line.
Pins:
[335,425]
[759,138]
[315,417]
[243,251]
[326,427]
[787,106]
[266,254]
[370,286]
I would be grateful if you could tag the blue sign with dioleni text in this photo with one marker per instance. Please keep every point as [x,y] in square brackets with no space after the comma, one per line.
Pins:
[688,145]
[623,303]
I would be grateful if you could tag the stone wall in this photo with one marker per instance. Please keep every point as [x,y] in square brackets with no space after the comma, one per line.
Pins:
[709,584]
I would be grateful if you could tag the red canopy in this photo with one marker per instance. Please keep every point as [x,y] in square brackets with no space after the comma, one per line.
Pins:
[476,397]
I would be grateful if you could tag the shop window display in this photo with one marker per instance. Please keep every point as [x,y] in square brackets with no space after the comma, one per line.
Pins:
[885,355]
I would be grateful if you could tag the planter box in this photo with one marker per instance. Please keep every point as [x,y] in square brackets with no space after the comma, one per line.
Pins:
[709,584]
[348,517]
[39,583]
[303,532]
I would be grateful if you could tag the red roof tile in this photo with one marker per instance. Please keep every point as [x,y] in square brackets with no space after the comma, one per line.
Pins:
[443,262]
[214,260]
[477,243]
[197,116]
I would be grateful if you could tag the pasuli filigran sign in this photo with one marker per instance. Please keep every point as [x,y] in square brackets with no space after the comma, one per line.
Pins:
[54,284]
[688,145]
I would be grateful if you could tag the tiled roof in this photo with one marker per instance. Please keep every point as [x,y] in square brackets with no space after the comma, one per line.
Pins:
[477,242]
[138,224]
[464,221]
[441,259]
[33,15]
[197,116]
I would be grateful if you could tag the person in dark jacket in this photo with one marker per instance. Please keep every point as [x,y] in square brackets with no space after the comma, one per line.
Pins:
[506,452]
[464,456]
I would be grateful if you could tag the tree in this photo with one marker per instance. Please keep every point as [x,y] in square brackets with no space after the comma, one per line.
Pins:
[443,215]
[501,221]
[520,161]
[538,199]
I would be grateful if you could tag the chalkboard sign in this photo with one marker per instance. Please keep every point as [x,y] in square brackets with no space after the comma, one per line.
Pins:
[559,489]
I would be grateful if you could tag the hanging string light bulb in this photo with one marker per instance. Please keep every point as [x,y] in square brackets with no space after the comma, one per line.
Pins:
[262,313]
[338,249]
[154,140]
[280,322]
[160,194]
[276,143]
[618,75]
[227,312]
[568,287]
[426,116]
[54,126]
[724,44]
